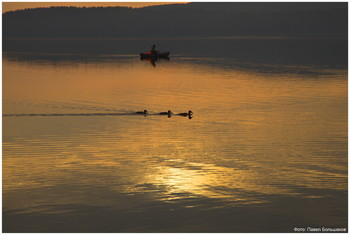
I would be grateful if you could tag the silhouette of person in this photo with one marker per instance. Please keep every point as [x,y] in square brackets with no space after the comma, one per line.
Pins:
[153,49]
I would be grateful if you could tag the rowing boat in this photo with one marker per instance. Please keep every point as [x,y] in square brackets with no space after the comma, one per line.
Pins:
[154,55]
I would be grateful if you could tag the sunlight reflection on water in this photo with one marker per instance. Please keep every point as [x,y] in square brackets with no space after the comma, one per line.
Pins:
[257,139]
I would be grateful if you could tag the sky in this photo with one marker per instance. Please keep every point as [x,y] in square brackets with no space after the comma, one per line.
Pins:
[11,6]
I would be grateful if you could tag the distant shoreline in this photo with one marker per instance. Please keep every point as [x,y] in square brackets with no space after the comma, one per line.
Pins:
[238,37]
[200,19]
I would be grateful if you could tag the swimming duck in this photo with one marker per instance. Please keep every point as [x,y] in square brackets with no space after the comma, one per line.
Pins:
[190,113]
[169,113]
[145,112]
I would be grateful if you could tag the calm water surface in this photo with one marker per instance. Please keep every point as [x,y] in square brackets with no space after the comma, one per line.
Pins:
[265,151]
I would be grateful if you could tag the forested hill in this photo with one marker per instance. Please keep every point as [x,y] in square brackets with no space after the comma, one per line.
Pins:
[179,20]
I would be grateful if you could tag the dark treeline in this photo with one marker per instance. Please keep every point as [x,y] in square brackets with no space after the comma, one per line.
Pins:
[179,20]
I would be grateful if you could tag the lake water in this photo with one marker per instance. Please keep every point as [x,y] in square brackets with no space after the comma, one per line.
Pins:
[265,151]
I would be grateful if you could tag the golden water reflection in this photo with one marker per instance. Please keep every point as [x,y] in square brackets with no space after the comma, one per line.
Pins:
[254,137]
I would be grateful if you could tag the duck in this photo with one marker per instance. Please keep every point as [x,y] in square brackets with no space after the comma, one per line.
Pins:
[190,113]
[145,112]
[169,113]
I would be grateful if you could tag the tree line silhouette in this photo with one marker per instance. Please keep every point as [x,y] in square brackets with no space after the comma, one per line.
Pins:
[179,20]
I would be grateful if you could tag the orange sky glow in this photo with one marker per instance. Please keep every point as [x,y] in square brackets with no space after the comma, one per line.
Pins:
[12,6]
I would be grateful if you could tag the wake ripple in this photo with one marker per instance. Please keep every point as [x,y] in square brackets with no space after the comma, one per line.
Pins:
[66,114]
[78,114]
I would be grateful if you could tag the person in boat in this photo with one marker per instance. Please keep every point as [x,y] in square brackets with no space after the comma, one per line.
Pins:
[153,50]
